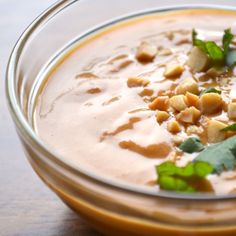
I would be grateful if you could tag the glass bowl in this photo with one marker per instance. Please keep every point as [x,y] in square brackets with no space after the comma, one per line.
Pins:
[110,207]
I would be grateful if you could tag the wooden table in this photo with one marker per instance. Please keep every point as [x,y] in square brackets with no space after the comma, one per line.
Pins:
[27,206]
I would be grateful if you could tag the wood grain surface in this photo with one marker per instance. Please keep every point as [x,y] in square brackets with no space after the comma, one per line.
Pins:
[27,206]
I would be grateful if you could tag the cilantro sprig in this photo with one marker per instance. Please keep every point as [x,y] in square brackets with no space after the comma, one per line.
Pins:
[226,41]
[219,55]
[221,156]
[182,179]
[191,145]
[214,158]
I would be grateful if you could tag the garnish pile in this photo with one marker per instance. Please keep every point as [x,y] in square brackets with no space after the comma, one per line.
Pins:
[214,158]
[191,111]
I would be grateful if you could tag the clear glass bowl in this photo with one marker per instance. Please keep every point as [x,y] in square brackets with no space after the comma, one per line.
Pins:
[109,207]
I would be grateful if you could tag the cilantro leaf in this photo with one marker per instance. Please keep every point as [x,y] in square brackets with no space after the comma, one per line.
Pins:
[202,169]
[230,127]
[191,145]
[215,53]
[166,168]
[181,179]
[191,169]
[175,184]
[210,90]
[186,171]
[226,41]
[221,156]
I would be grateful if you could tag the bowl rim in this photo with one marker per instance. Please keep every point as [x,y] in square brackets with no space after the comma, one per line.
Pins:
[28,133]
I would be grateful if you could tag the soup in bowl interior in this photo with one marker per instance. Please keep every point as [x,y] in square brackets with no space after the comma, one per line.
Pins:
[149,101]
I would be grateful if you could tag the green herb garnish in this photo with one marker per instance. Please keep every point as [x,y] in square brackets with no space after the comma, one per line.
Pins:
[191,145]
[210,90]
[230,55]
[175,184]
[181,179]
[226,41]
[218,55]
[221,156]
[230,127]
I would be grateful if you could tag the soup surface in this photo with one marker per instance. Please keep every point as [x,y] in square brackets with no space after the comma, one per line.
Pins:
[123,100]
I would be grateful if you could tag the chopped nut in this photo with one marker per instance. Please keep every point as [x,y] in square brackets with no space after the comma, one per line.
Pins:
[160,103]
[165,52]
[230,134]
[183,41]
[188,85]
[162,116]
[178,102]
[232,110]
[190,115]
[198,60]
[214,133]
[192,100]
[146,52]
[177,140]
[173,127]
[173,70]
[146,92]
[210,103]
[215,71]
[225,106]
[170,35]
[193,129]
[137,82]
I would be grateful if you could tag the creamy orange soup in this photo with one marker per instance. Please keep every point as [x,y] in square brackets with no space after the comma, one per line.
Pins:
[108,105]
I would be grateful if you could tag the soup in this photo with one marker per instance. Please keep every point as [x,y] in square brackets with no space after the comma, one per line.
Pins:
[149,101]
